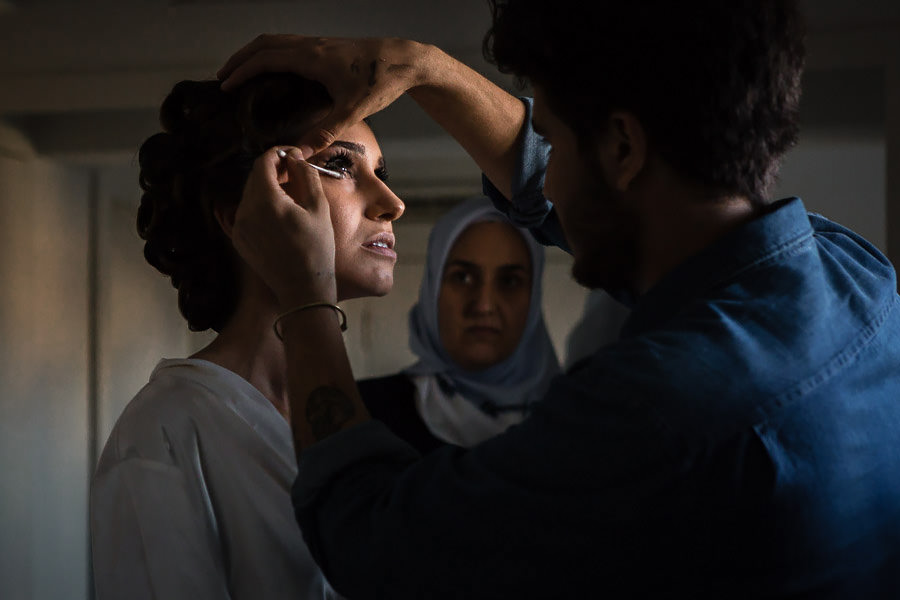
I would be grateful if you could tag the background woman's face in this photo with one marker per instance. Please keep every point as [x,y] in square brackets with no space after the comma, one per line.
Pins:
[362,210]
[485,295]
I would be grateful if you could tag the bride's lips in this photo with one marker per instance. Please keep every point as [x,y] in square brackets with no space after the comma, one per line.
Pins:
[382,243]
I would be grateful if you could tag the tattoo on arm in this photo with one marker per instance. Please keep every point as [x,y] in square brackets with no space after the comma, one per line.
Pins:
[327,410]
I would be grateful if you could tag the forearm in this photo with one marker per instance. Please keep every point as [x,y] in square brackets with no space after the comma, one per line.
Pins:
[485,120]
[323,395]
[450,524]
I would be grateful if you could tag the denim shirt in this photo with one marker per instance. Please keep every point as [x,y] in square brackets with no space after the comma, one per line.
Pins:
[742,439]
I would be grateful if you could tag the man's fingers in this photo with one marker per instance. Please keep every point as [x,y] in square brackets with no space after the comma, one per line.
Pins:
[271,167]
[303,184]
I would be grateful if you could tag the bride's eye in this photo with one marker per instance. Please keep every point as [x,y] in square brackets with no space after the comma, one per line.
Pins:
[340,162]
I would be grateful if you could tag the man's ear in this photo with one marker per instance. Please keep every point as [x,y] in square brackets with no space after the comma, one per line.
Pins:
[225,217]
[623,149]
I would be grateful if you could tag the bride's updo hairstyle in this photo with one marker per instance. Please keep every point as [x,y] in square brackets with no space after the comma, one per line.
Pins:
[200,162]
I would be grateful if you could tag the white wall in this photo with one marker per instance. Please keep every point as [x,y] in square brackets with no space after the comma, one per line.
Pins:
[44,408]
[839,168]
[841,177]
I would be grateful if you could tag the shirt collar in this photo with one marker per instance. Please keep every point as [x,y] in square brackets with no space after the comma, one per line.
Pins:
[785,226]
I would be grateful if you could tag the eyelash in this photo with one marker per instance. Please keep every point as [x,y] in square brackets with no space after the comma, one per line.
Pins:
[342,162]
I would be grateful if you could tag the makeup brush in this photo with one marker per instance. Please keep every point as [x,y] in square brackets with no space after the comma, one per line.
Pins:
[281,153]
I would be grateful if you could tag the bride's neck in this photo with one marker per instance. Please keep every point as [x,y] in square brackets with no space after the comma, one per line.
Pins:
[247,346]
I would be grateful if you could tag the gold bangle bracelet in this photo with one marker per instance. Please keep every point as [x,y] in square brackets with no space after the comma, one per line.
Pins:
[297,309]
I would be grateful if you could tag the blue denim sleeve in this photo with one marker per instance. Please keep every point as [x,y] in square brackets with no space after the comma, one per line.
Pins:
[528,207]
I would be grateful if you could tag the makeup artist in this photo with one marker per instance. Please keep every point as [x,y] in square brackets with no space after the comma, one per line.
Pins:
[739,440]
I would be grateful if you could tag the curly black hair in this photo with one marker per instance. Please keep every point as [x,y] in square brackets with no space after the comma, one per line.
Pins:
[716,84]
[200,162]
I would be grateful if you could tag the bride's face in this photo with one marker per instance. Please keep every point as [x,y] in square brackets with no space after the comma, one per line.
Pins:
[363,208]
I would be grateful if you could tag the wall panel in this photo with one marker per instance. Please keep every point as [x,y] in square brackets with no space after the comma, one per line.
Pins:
[43,378]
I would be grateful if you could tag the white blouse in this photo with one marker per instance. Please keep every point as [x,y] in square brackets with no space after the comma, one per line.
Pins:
[191,497]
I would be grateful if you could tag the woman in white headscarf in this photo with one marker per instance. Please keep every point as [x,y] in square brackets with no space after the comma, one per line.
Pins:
[478,331]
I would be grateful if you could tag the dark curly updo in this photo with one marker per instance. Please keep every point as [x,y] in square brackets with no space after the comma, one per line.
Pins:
[200,162]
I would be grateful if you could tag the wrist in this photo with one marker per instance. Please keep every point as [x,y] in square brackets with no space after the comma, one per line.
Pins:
[429,64]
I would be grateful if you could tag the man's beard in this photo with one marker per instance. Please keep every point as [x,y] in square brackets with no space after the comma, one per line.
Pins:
[608,257]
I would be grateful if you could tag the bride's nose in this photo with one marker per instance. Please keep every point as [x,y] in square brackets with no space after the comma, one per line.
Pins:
[383,204]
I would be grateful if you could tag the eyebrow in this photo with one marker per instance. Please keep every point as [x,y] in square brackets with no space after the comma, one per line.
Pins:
[512,267]
[358,149]
[470,265]
[351,146]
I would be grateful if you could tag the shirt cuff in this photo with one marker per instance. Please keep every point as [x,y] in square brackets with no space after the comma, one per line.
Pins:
[528,207]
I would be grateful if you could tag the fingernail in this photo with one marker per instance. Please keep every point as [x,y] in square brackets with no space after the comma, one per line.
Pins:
[295,154]
[305,152]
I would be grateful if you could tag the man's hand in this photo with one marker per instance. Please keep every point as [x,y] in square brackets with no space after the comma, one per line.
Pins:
[362,75]
[365,75]
[283,230]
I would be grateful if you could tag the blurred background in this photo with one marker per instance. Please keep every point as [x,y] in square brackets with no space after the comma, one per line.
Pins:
[83,319]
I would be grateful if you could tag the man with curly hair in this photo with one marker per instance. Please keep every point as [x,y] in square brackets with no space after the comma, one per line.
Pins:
[740,439]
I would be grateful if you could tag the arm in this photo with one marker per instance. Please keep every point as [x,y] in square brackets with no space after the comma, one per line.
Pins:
[485,120]
[275,221]
[569,500]
[365,75]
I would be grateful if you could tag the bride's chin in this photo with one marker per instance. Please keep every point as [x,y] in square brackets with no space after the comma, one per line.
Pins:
[376,286]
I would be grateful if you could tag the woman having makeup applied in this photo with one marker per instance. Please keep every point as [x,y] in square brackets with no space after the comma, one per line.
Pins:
[478,331]
[191,497]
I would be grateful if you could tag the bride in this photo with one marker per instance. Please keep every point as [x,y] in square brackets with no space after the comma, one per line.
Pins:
[191,496]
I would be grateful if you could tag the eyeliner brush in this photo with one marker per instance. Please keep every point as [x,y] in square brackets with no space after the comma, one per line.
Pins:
[281,153]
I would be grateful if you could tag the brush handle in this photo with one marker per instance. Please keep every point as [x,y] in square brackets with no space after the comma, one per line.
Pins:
[281,153]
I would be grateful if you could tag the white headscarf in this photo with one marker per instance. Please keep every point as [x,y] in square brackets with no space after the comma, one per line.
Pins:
[512,384]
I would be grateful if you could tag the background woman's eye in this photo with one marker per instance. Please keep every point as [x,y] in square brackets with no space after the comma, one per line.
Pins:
[460,277]
[511,281]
